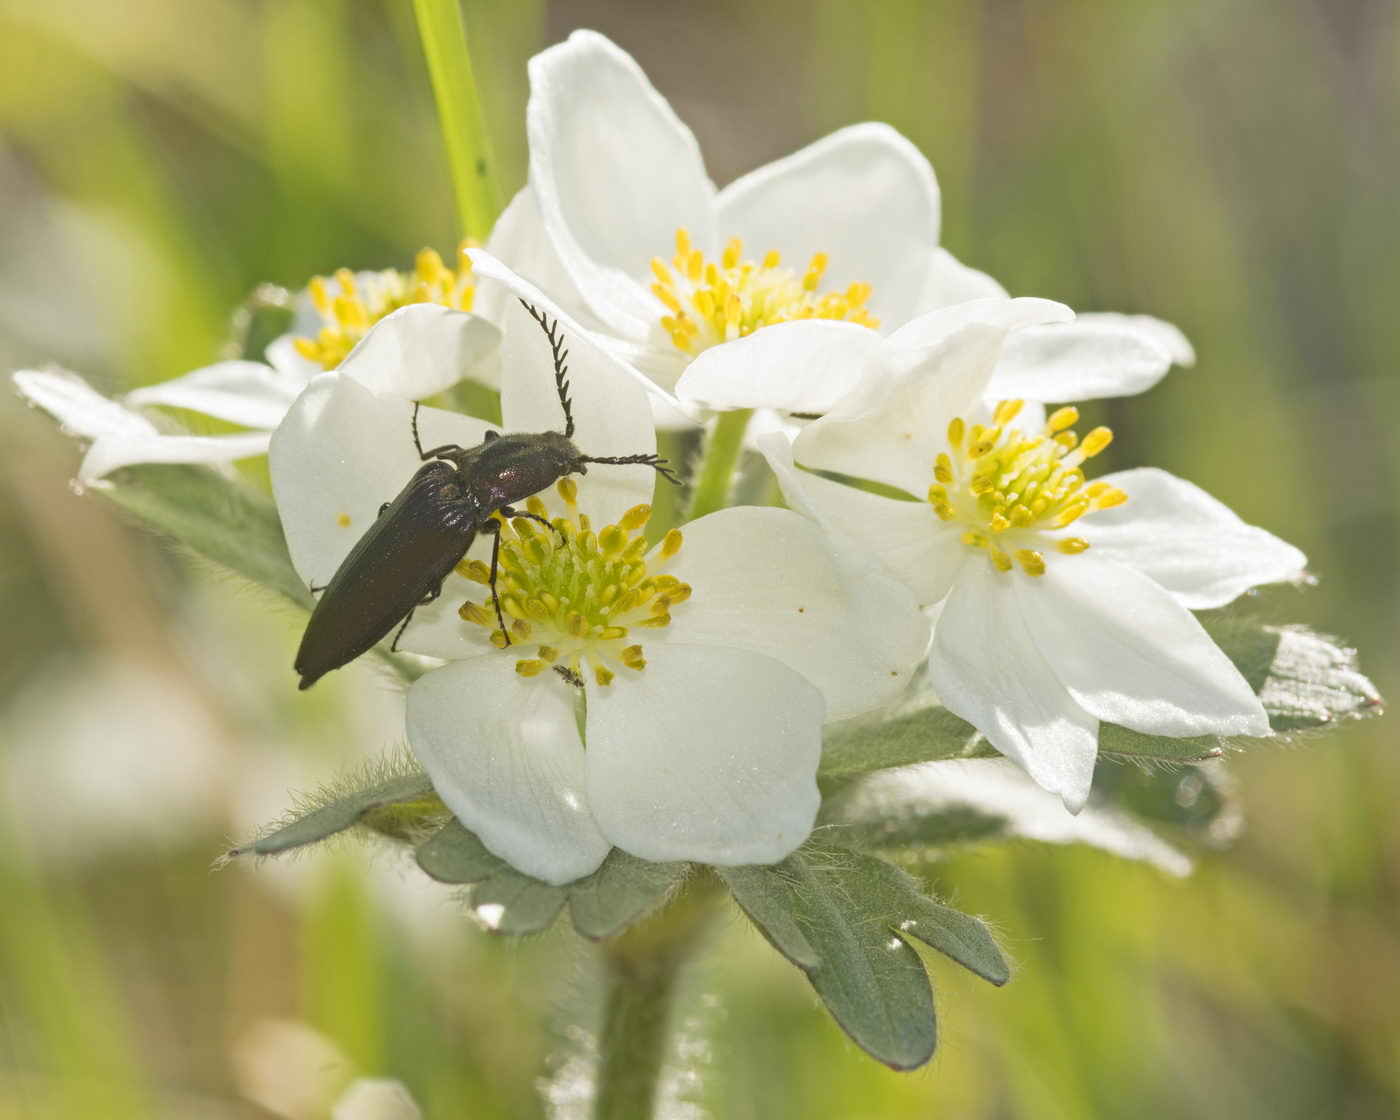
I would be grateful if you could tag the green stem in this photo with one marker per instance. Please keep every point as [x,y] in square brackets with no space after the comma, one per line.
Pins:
[469,159]
[641,969]
[723,448]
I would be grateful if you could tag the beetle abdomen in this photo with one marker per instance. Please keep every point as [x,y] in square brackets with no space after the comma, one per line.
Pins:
[401,559]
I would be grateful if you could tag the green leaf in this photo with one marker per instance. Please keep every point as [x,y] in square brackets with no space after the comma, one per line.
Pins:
[924,733]
[394,799]
[213,515]
[1305,680]
[846,919]
[1198,801]
[601,905]
[223,521]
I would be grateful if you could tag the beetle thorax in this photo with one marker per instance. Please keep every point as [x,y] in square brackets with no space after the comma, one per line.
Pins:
[510,468]
[573,597]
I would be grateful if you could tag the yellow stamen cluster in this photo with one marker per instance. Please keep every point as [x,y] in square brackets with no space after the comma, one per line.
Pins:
[576,595]
[1016,492]
[709,302]
[349,304]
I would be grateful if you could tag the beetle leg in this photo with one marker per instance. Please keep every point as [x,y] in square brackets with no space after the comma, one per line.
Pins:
[316,590]
[432,453]
[508,511]
[382,508]
[423,602]
[493,526]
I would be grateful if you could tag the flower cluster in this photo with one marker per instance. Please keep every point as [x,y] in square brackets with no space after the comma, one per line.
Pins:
[598,682]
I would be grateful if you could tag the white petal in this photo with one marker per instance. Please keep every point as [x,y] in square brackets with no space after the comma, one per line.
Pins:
[950,281]
[987,668]
[1077,361]
[340,454]
[1193,545]
[707,755]
[616,174]
[610,407]
[505,756]
[1004,314]
[1131,654]
[907,537]
[520,240]
[248,393]
[488,267]
[803,366]
[994,787]
[420,350]
[1165,334]
[895,437]
[109,453]
[80,408]
[864,195]
[771,581]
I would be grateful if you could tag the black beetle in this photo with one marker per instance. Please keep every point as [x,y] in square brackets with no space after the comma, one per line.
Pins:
[421,536]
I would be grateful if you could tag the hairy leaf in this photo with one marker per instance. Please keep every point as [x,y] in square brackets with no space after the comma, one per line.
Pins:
[396,800]
[847,919]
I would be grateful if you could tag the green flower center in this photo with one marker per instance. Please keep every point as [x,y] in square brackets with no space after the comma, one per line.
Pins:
[576,595]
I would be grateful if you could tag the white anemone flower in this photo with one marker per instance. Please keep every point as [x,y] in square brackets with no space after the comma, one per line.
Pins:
[416,330]
[1058,602]
[621,221]
[664,699]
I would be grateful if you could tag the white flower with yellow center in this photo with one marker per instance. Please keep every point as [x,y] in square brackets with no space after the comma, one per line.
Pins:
[621,222]
[411,334]
[1059,600]
[666,697]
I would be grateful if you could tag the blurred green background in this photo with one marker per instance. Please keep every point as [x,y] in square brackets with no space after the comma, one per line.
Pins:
[1230,165]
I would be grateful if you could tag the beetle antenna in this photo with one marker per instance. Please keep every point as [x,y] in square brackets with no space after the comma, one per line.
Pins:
[561,366]
[657,463]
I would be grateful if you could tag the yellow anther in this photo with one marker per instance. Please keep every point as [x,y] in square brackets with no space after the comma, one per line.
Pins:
[603,675]
[474,570]
[1095,442]
[349,304]
[498,639]
[531,667]
[475,612]
[711,301]
[520,630]
[548,653]
[671,543]
[632,657]
[1061,419]
[635,518]
[1007,411]
[1014,492]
